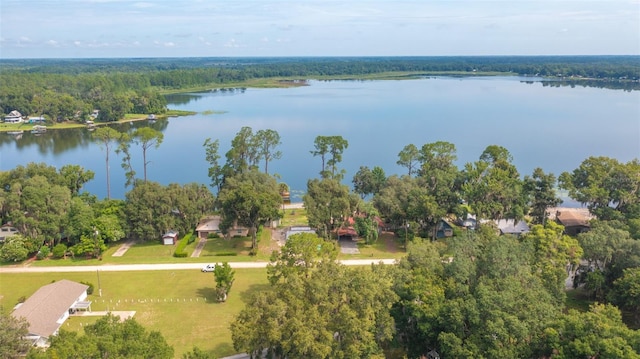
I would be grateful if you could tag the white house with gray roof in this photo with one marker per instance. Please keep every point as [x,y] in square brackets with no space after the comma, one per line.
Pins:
[48,308]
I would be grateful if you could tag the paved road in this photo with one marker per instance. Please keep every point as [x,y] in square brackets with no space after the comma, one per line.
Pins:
[169,266]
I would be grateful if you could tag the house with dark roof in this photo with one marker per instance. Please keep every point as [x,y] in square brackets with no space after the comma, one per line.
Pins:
[511,226]
[48,308]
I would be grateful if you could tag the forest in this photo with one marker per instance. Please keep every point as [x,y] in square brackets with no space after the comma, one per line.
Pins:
[476,294]
[70,89]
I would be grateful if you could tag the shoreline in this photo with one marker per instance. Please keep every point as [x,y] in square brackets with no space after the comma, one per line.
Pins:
[4,127]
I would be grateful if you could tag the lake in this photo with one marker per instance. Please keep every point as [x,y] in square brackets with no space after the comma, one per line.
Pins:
[554,128]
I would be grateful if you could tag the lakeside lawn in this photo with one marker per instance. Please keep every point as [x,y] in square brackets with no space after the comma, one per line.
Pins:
[179,304]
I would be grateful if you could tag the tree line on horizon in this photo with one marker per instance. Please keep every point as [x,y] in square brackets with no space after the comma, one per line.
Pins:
[72,89]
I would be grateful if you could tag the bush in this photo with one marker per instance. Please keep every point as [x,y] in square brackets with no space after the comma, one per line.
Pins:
[213,235]
[43,252]
[180,254]
[90,289]
[253,252]
[191,239]
[22,299]
[59,250]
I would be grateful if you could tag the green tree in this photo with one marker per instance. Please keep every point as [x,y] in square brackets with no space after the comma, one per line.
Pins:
[492,185]
[327,204]
[304,315]
[213,157]
[75,177]
[599,333]
[409,158]
[300,255]
[110,337]
[15,249]
[249,198]
[124,148]
[552,253]
[147,137]
[610,189]
[366,181]
[540,188]
[626,292]
[243,153]
[224,280]
[38,207]
[330,149]
[267,142]
[12,334]
[107,136]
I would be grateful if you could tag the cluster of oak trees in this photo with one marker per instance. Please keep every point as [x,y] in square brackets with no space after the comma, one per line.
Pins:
[480,296]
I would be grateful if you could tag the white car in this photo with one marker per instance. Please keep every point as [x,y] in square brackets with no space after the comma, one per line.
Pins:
[209,268]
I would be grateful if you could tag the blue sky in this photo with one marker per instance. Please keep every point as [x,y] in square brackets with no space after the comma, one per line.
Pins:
[179,28]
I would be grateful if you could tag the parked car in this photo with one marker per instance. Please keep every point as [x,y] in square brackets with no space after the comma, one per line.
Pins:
[209,268]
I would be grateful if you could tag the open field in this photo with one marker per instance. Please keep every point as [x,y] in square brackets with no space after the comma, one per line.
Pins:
[179,303]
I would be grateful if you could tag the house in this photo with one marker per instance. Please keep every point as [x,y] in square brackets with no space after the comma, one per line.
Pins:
[48,308]
[95,114]
[297,229]
[210,225]
[469,221]
[511,226]
[444,229]
[7,231]
[39,119]
[13,117]
[170,238]
[574,220]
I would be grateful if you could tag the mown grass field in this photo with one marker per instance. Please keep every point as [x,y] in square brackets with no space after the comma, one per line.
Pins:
[179,304]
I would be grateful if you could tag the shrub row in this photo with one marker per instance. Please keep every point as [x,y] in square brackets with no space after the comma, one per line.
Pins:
[182,244]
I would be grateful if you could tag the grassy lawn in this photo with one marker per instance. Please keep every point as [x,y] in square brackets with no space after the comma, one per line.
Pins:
[294,217]
[578,299]
[179,304]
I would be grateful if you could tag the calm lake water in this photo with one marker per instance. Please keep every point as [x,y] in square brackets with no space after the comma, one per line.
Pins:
[555,128]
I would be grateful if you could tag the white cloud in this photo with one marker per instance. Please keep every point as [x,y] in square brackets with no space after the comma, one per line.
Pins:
[53,43]
[169,44]
[77,43]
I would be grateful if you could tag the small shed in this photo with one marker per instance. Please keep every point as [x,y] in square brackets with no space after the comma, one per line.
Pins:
[170,238]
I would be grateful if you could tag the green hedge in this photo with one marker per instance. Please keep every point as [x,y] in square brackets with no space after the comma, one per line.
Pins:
[182,244]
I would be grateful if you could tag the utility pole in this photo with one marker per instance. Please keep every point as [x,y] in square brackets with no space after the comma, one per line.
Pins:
[99,287]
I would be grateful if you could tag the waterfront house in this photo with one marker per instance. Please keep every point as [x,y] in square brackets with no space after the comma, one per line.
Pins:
[47,309]
[13,117]
[39,119]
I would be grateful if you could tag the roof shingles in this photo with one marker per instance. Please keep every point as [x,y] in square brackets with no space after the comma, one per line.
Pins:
[48,305]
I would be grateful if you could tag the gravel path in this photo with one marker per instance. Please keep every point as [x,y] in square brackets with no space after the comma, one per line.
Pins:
[201,243]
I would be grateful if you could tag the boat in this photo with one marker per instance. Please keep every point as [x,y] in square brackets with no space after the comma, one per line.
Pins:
[151,118]
[38,129]
[91,126]
[15,133]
